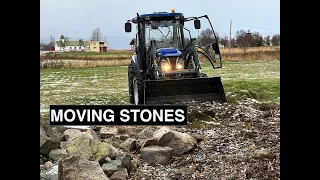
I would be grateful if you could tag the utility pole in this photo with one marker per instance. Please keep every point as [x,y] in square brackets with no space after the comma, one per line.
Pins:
[230,38]
[105,38]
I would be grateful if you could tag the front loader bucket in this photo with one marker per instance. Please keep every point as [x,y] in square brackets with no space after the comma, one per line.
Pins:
[183,90]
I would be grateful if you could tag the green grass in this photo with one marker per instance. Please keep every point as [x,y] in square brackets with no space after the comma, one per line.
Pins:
[108,85]
[250,79]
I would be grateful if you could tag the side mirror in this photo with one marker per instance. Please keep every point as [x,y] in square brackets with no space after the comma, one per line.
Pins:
[197,24]
[127,27]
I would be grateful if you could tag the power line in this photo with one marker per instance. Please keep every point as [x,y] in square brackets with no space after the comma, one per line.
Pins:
[256,27]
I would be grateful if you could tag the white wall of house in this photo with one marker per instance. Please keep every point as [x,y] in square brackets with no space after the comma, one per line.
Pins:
[75,48]
[71,48]
[57,48]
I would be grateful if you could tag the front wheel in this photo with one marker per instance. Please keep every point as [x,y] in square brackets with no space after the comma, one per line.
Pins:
[138,90]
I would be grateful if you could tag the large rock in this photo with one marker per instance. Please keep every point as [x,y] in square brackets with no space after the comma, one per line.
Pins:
[71,133]
[108,132]
[166,137]
[120,175]
[146,132]
[126,163]
[49,139]
[57,154]
[63,144]
[102,151]
[111,167]
[93,134]
[157,154]
[75,167]
[128,145]
[50,174]
[80,146]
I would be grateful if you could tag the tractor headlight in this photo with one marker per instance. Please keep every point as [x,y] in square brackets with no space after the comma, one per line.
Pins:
[179,64]
[165,65]
[179,67]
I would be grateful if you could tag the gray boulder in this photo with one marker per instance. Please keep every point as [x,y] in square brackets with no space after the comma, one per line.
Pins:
[146,132]
[57,154]
[166,137]
[111,167]
[49,139]
[50,174]
[75,167]
[128,145]
[120,175]
[157,154]
[108,132]
[71,133]
[80,146]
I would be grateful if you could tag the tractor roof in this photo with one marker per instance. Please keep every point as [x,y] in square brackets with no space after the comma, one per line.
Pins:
[159,16]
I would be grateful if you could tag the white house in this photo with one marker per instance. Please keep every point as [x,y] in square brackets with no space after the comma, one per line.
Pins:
[72,46]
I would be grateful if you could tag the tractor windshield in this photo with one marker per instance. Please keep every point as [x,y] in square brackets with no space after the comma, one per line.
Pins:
[165,33]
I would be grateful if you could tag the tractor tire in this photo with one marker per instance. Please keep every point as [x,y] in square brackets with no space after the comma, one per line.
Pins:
[131,75]
[138,90]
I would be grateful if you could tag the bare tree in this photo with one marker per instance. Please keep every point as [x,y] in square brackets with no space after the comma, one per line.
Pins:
[64,41]
[267,40]
[45,47]
[96,35]
[67,40]
[81,43]
[206,37]
[224,41]
[256,40]
[275,40]
[52,42]
[243,40]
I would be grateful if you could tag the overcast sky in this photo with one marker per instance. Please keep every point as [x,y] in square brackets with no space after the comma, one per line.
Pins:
[77,18]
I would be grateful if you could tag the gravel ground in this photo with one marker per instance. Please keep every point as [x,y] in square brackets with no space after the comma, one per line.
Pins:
[240,142]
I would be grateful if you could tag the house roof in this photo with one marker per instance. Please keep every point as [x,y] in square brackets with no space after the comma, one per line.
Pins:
[132,42]
[72,43]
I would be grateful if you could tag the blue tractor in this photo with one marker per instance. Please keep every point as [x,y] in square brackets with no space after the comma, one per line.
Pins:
[165,67]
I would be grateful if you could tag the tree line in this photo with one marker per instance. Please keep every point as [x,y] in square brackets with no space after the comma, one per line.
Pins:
[243,39]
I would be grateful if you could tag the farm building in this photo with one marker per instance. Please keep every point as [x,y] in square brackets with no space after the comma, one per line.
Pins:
[72,46]
[91,46]
[97,46]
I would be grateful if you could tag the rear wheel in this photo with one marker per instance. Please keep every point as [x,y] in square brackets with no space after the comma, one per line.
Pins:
[131,75]
[138,90]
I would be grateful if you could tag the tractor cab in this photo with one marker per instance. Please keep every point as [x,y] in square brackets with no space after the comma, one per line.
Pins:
[166,51]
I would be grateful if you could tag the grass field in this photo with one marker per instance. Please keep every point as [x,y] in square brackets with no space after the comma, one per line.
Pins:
[108,85]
